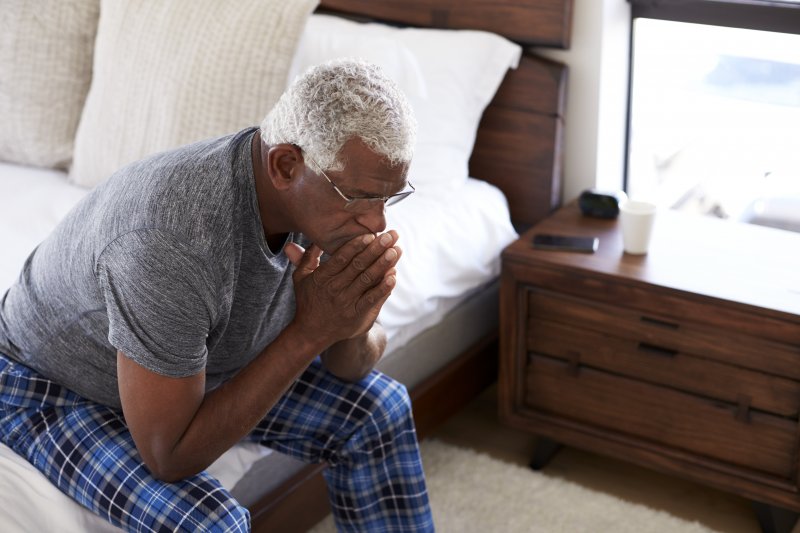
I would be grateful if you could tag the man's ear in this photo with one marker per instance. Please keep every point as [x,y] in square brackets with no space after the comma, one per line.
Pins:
[284,163]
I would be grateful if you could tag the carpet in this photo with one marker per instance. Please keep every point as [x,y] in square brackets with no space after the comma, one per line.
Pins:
[473,492]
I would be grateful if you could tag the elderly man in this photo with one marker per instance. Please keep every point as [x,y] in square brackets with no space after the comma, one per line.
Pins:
[183,306]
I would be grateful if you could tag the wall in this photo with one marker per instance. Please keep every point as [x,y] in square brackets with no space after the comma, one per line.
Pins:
[597,91]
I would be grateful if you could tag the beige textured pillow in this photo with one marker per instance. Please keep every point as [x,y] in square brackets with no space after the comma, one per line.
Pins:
[170,73]
[45,70]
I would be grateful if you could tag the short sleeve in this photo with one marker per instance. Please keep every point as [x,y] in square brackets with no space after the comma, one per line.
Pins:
[159,296]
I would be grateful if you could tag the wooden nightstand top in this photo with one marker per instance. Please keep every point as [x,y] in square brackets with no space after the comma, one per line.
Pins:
[737,262]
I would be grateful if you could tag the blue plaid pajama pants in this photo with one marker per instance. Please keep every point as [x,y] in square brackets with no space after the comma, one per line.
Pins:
[364,431]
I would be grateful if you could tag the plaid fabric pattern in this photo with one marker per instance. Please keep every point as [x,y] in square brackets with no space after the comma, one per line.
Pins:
[86,450]
[363,430]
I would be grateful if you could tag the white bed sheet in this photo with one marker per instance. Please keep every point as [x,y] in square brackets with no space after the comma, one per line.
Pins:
[455,252]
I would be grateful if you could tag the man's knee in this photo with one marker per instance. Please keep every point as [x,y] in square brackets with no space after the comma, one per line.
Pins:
[234,518]
[391,404]
[397,398]
[221,515]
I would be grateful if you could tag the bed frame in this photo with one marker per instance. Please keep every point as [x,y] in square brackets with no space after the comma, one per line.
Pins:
[518,148]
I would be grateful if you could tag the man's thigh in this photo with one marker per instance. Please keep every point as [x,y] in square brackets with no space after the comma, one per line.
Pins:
[86,450]
[320,412]
[364,431]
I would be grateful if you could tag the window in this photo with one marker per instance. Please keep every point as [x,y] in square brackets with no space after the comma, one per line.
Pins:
[714,123]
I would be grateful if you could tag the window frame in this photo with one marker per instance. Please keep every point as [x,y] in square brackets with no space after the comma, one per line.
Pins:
[781,16]
[768,15]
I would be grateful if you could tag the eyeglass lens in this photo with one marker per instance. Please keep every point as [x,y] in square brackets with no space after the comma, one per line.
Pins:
[367,204]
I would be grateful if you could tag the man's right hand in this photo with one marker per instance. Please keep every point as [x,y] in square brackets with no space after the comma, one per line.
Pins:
[341,298]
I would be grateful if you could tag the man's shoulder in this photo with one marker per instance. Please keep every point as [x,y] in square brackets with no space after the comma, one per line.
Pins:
[201,177]
[195,194]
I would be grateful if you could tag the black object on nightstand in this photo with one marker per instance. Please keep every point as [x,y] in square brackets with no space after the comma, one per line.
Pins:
[601,204]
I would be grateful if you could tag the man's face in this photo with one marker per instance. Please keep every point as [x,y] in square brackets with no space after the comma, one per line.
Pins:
[327,218]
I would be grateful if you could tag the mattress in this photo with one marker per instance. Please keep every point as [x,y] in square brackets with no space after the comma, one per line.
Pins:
[446,299]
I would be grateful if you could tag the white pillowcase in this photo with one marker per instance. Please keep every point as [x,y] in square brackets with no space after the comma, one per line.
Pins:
[45,69]
[449,76]
[326,37]
[453,241]
[170,73]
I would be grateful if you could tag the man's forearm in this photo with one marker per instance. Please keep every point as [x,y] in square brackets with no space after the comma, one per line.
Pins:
[229,412]
[352,359]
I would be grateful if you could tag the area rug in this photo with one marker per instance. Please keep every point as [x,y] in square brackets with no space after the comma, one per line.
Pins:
[473,492]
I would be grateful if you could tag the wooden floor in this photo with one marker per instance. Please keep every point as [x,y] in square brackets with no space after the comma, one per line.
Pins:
[477,427]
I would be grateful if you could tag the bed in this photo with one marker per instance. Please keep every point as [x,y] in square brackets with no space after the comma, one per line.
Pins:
[443,328]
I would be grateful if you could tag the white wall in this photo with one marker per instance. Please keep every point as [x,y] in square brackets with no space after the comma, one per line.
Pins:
[597,89]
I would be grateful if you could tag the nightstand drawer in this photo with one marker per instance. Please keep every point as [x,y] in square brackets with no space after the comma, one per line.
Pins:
[672,334]
[665,303]
[707,428]
[655,364]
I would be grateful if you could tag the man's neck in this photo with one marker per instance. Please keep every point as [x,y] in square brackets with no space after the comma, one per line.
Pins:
[275,241]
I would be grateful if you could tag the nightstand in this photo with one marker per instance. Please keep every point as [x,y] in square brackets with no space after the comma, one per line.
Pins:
[685,360]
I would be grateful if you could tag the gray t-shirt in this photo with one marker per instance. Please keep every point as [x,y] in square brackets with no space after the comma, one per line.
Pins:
[165,261]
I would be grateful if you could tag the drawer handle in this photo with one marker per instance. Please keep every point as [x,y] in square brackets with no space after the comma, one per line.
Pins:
[743,408]
[657,350]
[574,363]
[659,323]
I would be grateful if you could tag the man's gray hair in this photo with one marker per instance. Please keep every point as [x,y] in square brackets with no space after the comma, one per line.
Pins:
[331,103]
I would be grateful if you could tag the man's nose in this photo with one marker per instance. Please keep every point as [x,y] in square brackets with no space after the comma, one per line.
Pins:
[374,219]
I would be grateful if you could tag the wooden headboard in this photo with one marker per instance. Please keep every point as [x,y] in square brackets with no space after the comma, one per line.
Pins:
[519,142]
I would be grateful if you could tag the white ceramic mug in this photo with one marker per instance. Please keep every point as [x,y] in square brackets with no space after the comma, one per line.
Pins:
[637,218]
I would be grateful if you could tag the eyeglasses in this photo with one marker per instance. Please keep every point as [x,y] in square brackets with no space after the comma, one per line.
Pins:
[362,204]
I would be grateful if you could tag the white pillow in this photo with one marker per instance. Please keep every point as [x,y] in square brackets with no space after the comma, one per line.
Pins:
[452,242]
[45,70]
[326,37]
[170,73]
[449,76]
